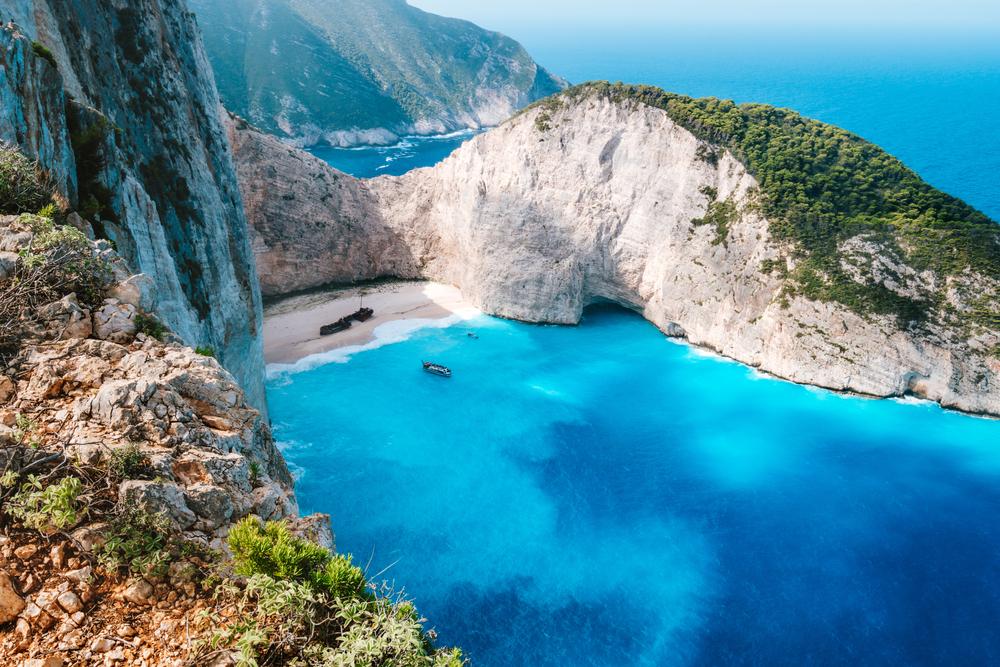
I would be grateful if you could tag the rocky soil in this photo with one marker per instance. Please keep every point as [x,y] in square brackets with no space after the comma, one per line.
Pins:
[86,384]
[596,201]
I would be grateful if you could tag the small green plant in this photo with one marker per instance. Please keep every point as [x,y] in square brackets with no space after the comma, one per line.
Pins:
[49,507]
[9,479]
[44,54]
[50,212]
[149,325]
[128,462]
[255,474]
[205,351]
[135,540]
[22,186]
[26,432]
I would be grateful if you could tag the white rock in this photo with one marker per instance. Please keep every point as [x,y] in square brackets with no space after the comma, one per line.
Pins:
[49,661]
[114,320]
[11,603]
[101,645]
[8,260]
[138,291]
[70,602]
[139,592]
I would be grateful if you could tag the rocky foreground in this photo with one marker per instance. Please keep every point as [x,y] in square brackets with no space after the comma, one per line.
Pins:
[589,199]
[102,395]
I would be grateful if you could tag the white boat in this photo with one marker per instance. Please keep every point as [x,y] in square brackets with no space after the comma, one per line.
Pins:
[436,369]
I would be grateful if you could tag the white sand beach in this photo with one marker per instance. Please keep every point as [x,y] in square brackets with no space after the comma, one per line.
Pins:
[291,326]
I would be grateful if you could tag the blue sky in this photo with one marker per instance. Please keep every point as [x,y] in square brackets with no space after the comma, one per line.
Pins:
[510,15]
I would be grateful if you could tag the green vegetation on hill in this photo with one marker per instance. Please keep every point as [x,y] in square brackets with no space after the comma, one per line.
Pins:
[822,185]
[356,64]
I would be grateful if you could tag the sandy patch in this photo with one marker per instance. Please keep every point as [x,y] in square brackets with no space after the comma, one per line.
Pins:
[291,326]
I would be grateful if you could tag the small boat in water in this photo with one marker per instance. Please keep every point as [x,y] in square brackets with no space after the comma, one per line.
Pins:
[472,335]
[363,315]
[436,369]
[342,324]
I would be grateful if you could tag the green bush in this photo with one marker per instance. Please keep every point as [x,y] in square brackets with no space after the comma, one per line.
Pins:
[22,189]
[45,507]
[64,255]
[136,540]
[44,54]
[272,550]
[821,185]
[128,462]
[305,607]
[205,351]
[148,324]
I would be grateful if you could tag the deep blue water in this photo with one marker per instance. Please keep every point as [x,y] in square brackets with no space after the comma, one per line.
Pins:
[410,153]
[930,98]
[604,496]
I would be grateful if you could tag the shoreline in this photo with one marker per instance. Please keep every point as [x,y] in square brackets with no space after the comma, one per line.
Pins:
[291,326]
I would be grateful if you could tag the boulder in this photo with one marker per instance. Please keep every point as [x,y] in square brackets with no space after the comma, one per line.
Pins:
[11,603]
[156,497]
[138,291]
[74,220]
[15,242]
[65,319]
[270,503]
[210,502]
[8,260]
[115,321]
[316,528]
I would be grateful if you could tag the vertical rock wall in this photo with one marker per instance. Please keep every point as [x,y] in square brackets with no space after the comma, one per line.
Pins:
[175,212]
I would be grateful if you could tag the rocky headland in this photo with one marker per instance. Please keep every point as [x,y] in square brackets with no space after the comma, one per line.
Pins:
[363,71]
[594,197]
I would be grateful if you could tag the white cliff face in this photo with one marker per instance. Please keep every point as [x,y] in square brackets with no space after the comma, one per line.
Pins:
[535,224]
[175,211]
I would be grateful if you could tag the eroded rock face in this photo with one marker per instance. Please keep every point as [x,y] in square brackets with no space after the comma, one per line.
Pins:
[140,67]
[535,224]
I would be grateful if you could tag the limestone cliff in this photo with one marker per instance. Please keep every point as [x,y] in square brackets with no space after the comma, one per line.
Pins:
[594,200]
[123,117]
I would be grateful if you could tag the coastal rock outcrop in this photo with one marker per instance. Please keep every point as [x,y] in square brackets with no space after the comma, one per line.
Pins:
[118,104]
[597,200]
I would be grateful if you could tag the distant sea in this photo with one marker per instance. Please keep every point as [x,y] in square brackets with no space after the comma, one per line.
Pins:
[932,100]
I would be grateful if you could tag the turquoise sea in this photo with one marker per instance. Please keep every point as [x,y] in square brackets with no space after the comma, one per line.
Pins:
[604,496]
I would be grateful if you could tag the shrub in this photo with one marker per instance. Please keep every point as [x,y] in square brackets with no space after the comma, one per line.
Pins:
[22,188]
[273,551]
[255,474]
[136,540]
[47,507]
[205,351]
[128,462]
[44,54]
[149,325]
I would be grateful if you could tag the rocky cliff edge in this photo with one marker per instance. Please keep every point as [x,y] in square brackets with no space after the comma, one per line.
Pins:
[591,200]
